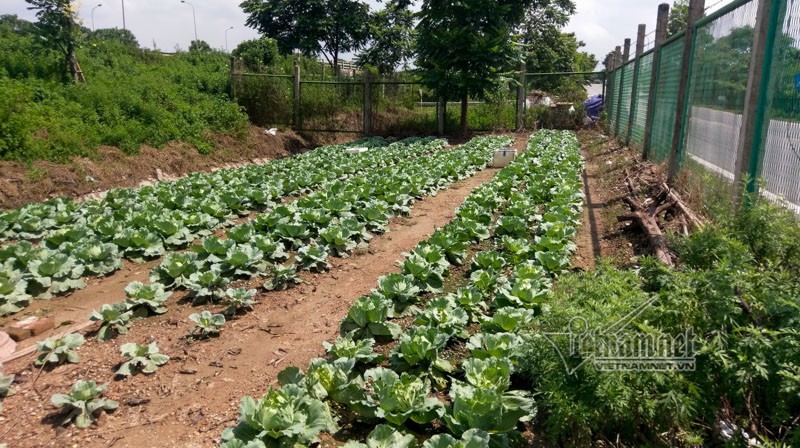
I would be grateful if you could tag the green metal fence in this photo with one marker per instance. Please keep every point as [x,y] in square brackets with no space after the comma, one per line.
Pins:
[666,99]
[713,134]
[626,87]
[640,106]
[780,165]
[718,82]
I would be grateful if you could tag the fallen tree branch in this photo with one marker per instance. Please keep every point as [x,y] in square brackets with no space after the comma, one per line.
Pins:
[646,219]
[694,221]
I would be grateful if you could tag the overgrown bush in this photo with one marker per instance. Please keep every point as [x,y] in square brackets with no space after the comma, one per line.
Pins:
[133,97]
[738,292]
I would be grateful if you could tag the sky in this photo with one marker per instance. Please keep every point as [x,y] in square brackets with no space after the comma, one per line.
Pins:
[601,24]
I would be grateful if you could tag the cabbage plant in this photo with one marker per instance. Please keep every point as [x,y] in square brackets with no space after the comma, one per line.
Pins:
[60,350]
[114,320]
[83,403]
[143,358]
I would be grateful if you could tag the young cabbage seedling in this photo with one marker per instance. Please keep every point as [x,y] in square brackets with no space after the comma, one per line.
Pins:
[207,324]
[115,319]
[83,403]
[58,351]
[143,358]
[239,299]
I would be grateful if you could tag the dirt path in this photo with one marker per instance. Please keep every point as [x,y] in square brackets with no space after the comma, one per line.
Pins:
[190,400]
[601,236]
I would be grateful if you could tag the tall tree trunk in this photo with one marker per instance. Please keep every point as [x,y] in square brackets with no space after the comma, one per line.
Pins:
[464,106]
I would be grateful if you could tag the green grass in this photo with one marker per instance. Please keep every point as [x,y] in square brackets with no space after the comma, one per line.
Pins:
[132,97]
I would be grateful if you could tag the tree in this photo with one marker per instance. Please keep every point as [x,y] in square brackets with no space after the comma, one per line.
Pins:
[11,24]
[313,27]
[391,37]
[57,26]
[256,53]
[464,46]
[678,17]
[125,37]
[199,46]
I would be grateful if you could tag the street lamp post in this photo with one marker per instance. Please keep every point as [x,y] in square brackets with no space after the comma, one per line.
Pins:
[123,15]
[99,5]
[194,18]
[226,39]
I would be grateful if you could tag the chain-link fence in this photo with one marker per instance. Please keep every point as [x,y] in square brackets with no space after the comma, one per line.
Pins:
[399,107]
[742,89]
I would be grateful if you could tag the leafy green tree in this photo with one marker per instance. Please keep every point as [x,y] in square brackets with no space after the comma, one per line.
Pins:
[391,37]
[11,24]
[124,37]
[256,53]
[464,46]
[57,25]
[313,27]
[678,17]
[199,46]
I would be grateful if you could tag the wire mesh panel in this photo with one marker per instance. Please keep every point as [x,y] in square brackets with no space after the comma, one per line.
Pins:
[666,101]
[615,102]
[780,167]
[722,55]
[402,109]
[267,99]
[331,106]
[642,96]
[625,98]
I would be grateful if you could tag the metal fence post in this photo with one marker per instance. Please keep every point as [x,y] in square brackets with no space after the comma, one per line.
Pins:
[696,11]
[613,90]
[625,56]
[297,124]
[521,98]
[635,87]
[661,37]
[367,103]
[754,116]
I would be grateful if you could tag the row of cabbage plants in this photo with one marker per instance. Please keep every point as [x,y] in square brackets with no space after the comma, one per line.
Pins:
[343,205]
[399,392]
[303,235]
[146,223]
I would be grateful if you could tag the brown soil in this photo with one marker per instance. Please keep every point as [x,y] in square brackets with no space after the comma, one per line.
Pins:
[601,236]
[191,399]
[22,184]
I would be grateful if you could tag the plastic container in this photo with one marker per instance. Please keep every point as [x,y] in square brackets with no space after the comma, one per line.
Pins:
[503,157]
[356,150]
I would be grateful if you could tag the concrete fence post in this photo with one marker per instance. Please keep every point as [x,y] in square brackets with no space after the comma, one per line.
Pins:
[661,37]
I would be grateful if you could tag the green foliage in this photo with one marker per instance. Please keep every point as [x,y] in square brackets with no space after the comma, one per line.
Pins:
[143,358]
[239,299]
[5,387]
[288,416]
[206,324]
[398,398]
[256,53]
[391,41]
[144,299]
[83,403]
[473,438]
[114,320]
[384,436]
[133,97]
[312,27]
[367,317]
[359,350]
[59,351]
[678,17]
